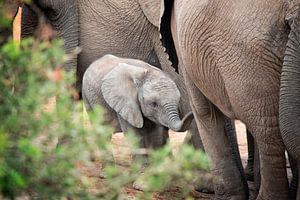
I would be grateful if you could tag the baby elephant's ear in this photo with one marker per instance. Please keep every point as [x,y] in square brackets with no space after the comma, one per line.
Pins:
[120,91]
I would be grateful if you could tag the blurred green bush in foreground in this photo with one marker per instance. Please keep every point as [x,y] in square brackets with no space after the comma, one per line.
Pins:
[30,159]
[34,164]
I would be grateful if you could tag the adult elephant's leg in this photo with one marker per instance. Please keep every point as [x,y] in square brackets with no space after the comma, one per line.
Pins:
[228,183]
[250,161]
[256,172]
[29,21]
[298,190]
[232,138]
[295,177]
[252,169]
[63,17]
[274,184]
[193,137]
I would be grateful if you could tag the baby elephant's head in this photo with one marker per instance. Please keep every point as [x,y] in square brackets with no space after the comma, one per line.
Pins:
[134,91]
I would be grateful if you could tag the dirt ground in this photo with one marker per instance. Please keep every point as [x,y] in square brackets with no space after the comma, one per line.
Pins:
[122,153]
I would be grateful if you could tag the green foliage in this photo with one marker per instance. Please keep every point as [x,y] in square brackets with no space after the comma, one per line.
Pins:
[4,22]
[30,161]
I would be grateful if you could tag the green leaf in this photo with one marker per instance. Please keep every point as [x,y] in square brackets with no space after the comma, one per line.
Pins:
[16,179]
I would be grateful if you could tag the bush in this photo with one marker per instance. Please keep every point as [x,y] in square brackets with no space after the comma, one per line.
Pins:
[29,159]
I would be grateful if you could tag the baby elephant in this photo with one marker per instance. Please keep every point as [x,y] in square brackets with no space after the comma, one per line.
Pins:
[140,96]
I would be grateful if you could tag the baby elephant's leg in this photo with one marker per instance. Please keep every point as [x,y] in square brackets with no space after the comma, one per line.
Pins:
[139,133]
[150,136]
[154,136]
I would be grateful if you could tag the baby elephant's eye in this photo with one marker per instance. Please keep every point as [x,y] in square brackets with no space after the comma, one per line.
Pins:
[154,104]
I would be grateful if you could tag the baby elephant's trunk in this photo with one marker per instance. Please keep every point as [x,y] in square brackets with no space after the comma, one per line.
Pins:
[181,125]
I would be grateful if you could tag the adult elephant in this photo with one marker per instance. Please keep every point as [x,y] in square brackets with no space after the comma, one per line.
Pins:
[231,55]
[289,105]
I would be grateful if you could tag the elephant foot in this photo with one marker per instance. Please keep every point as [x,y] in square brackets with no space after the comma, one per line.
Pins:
[102,173]
[260,197]
[229,189]
[208,189]
[271,196]
[249,172]
[140,184]
[232,195]
[204,183]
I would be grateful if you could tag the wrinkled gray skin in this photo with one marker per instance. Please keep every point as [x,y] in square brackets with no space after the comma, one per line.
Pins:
[141,96]
[221,43]
[289,105]
[62,16]
[125,28]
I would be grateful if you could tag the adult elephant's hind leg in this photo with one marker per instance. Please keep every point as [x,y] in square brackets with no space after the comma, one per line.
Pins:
[193,137]
[274,183]
[298,190]
[228,183]
[249,169]
[295,179]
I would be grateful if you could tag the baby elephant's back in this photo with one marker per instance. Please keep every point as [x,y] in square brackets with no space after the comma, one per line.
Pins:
[99,68]
[93,79]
